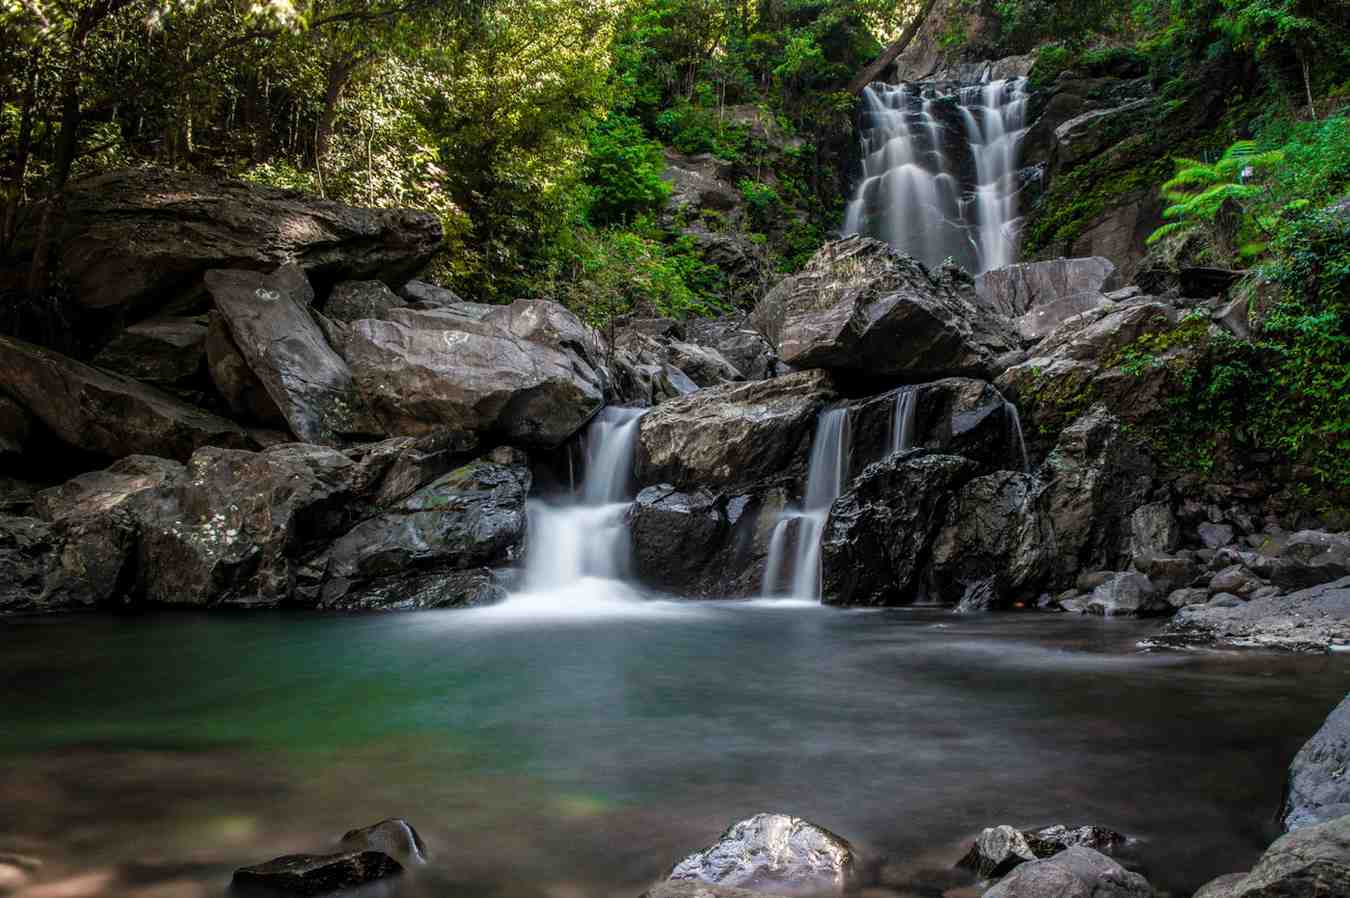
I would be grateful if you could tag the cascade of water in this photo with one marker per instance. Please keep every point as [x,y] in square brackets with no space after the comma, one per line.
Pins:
[1016,420]
[902,421]
[939,171]
[588,538]
[794,547]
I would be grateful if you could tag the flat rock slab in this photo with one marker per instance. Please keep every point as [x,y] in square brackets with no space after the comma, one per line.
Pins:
[317,874]
[105,413]
[1311,620]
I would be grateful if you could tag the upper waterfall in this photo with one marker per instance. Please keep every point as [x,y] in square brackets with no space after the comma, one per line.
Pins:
[939,171]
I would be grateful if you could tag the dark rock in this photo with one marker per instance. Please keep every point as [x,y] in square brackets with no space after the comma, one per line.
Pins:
[131,240]
[773,851]
[699,183]
[98,492]
[1017,289]
[1076,873]
[166,352]
[1061,838]
[268,317]
[675,534]
[27,546]
[1235,579]
[859,306]
[16,427]
[996,851]
[104,413]
[436,371]
[879,534]
[743,347]
[243,392]
[1304,559]
[1154,531]
[352,300]
[704,365]
[394,837]
[316,874]
[1221,887]
[422,295]
[1312,620]
[1312,861]
[1087,135]
[733,434]
[1215,536]
[1318,789]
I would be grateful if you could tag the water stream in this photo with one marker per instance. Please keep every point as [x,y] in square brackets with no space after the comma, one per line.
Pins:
[939,171]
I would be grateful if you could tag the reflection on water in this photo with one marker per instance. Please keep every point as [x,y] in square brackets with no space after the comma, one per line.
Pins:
[552,758]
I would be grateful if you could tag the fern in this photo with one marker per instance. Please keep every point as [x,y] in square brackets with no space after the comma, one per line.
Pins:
[1198,192]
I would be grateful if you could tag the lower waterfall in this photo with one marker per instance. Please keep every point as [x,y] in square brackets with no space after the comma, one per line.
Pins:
[793,566]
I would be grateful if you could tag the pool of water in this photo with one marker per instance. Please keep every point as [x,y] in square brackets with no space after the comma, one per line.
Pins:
[544,753]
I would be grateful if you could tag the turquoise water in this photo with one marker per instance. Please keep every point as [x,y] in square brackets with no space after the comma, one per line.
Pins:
[547,755]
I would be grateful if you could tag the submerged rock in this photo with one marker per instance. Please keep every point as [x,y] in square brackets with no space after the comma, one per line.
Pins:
[394,837]
[773,851]
[316,874]
[1318,787]
[1076,873]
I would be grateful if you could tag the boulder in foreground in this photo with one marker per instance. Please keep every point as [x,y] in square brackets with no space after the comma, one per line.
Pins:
[773,851]
[1076,873]
[317,874]
[1312,862]
[1318,788]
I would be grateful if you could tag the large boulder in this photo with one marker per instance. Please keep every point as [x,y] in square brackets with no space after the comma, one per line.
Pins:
[1316,620]
[879,534]
[700,543]
[733,434]
[1305,559]
[1311,862]
[27,546]
[1040,296]
[243,392]
[773,852]
[1076,873]
[431,371]
[1317,789]
[859,306]
[131,241]
[169,353]
[998,849]
[745,348]
[106,414]
[353,300]
[317,874]
[268,317]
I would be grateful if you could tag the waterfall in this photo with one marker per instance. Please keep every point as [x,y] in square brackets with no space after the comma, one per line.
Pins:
[587,537]
[939,171]
[1016,423]
[902,421]
[793,565]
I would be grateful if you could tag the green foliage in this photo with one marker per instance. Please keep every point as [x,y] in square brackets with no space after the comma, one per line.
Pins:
[1214,196]
[624,167]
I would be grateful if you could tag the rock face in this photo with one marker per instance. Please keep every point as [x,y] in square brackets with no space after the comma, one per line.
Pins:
[1076,873]
[773,851]
[1318,789]
[1040,296]
[352,300]
[104,413]
[734,434]
[244,394]
[1313,861]
[169,353]
[317,874]
[428,372]
[130,240]
[878,538]
[1311,620]
[701,543]
[860,306]
[310,384]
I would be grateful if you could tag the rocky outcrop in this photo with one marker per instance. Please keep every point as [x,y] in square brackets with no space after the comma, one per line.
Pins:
[439,372]
[1317,789]
[106,414]
[1310,620]
[701,543]
[859,306]
[1076,873]
[135,241]
[878,538]
[317,874]
[1040,296]
[734,434]
[1312,861]
[269,321]
[772,851]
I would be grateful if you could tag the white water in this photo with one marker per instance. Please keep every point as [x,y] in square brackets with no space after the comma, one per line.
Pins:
[939,171]
[579,550]
[902,421]
[1016,420]
[793,566]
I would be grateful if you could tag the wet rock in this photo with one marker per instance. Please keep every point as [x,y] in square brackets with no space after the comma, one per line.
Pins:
[1317,789]
[773,851]
[394,837]
[1215,536]
[860,306]
[1236,580]
[104,413]
[169,353]
[686,888]
[675,534]
[430,372]
[1061,838]
[352,300]
[243,392]
[996,533]
[268,318]
[1076,873]
[1127,595]
[879,533]
[1180,598]
[996,851]
[26,551]
[1311,620]
[134,239]
[733,434]
[316,874]
[1312,861]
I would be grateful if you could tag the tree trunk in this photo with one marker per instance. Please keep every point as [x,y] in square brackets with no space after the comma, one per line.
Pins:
[1307,84]
[9,223]
[891,53]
